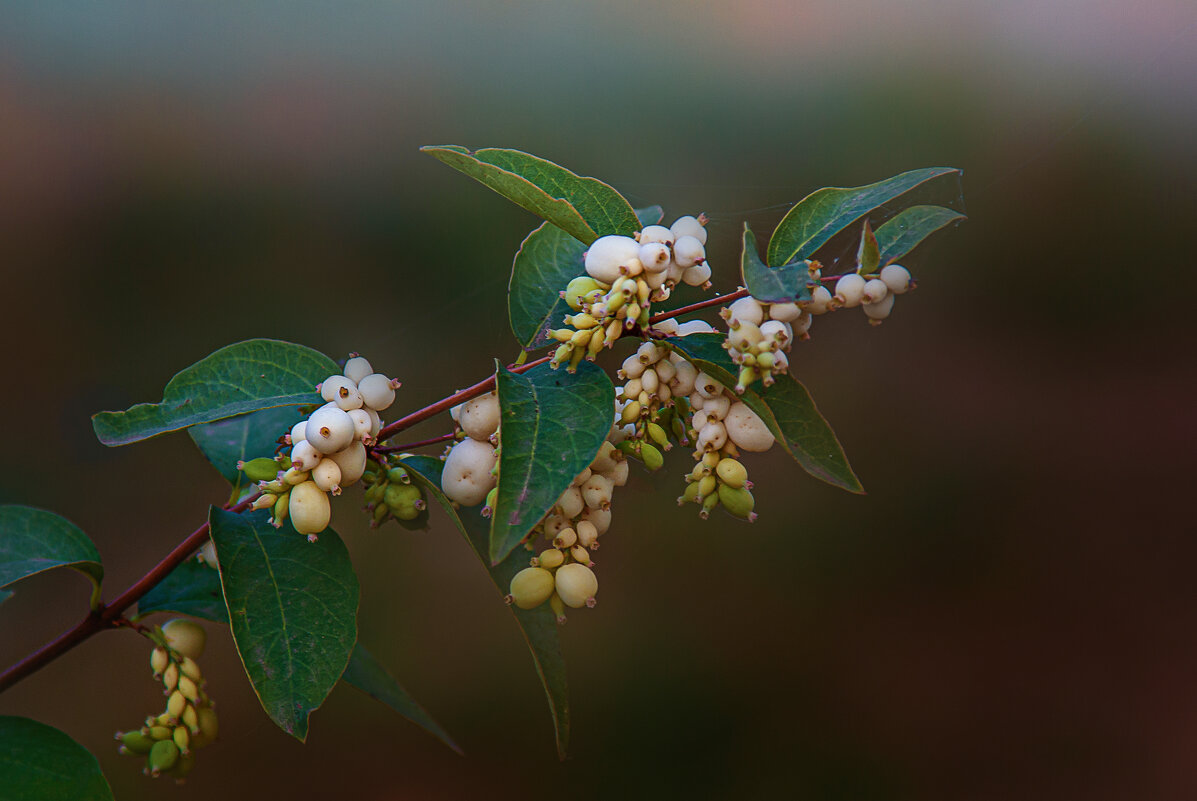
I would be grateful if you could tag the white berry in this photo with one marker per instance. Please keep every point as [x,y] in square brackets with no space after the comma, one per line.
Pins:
[357,368]
[608,254]
[377,390]
[896,277]
[467,477]
[329,429]
[849,290]
[689,226]
[746,429]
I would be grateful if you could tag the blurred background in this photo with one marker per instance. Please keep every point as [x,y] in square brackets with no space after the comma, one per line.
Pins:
[1010,613]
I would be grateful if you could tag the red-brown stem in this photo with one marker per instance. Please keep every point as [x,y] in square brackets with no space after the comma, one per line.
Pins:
[109,615]
[481,388]
[693,307]
[411,446]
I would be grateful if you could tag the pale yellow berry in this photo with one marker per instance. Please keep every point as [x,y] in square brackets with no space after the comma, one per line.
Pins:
[576,585]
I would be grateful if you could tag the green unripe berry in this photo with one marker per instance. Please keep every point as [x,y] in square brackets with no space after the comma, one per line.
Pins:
[135,741]
[653,458]
[185,636]
[531,587]
[398,475]
[576,289]
[738,501]
[261,469]
[732,473]
[163,756]
[550,558]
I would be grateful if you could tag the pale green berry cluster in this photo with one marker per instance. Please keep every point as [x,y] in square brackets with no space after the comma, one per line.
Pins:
[722,426]
[625,275]
[562,573]
[328,449]
[759,337]
[168,740]
[391,493]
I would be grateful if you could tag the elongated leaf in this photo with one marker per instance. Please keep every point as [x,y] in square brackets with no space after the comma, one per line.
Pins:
[868,255]
[788,283]
[824,213]
[244,437]
[41,763]
[237,379]
[368,675]
[293,611]
[34,540]
[904,232]
[539,625]
[547,260]
[192,589]
[786,408]
[552,426]
[585,208]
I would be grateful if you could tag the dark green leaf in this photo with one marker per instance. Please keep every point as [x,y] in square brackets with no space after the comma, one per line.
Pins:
[191,589]
[41,763]
[585,208]
[788,283]
[293,611]
[244,437]
[547,260]
[237,379]
[552,425]
[904,232]
[822,214]
[539,625]
[786,408]
[366,674]
[34,540]
[868,255]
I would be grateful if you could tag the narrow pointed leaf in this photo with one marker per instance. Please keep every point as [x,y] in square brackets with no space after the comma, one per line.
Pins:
[904,232]
[539,625]
[244,437]
[34,540]
[292,608]
[368,675]
[788,283]
[585,208]
[868,255]
[191,589]
[547,260]
[824,213]
[237,379]
[552,425]
[41,763]
[786,408]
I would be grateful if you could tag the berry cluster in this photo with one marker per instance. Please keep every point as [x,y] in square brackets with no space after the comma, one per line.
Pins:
[391,493]
[624,276]
[875,294]
[328,450]
[561,574]
[759,337]
[168,740]
[722,426]
[471,466]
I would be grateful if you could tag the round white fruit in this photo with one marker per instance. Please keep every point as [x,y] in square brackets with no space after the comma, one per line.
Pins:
[377,391]
[746,429]
[608,254]
[467,476]
[479,418]
[329,429]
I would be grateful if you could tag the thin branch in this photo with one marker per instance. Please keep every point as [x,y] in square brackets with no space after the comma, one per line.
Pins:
[693,307]
[109,616]
[411,446]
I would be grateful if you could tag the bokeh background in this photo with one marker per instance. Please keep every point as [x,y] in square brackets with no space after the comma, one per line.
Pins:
[1010,613]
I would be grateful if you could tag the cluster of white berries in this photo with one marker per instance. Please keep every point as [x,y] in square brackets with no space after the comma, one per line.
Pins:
[873,294]
[624,276]
[561,574]
[168,740]
[471,466]
[759,337]
[722,426]
[328,450]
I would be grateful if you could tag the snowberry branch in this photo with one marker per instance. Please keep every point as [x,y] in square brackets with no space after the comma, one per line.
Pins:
[109,616]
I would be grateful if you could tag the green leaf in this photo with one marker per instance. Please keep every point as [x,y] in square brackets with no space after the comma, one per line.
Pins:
[368,675]
[868,255]
[34,540]
[788,283]
[244,437]
[41,763]
[786,408]
[237,379]
[192,589]
[547,260]
[293,611]
[539,625]
[903,233]
[824,213]
[552,426]
[585,208]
